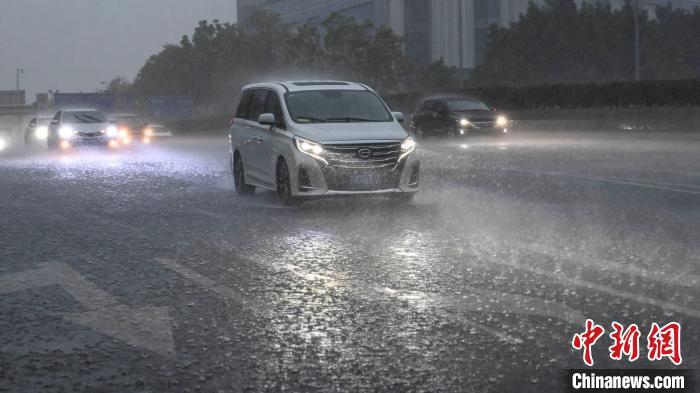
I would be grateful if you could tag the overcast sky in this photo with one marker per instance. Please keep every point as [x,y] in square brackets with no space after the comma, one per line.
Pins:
[73,45]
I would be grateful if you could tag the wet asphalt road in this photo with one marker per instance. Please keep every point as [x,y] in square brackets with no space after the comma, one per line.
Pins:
[144,271]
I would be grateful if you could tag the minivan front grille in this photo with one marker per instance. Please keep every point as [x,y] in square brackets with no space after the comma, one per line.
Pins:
[363,156]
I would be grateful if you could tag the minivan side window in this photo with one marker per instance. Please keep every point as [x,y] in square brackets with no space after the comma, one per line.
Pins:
[257,104]
[244,105]
[275,107]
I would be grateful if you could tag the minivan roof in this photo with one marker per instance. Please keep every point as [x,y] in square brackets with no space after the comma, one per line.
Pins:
[80,110]
[305,85]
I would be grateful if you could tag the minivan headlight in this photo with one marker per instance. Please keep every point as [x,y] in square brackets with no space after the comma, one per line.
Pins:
[66,132]
[407,146]
[310,148]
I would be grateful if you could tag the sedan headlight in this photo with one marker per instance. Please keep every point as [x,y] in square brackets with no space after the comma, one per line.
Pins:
[464,122]
[66,132]
[501,121]
[407,146]
[41,132]
[112,131]
[310,148]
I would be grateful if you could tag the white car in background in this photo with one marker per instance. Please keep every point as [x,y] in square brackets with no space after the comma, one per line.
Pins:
[37,131]
[81,127]
[160,131]
[311,139]
[5,138]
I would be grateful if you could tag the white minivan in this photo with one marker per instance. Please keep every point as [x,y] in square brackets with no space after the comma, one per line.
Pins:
[309,139]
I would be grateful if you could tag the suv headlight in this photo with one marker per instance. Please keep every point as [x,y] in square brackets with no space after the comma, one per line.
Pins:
[310,148]
[407,146]
[501,121]
[66,132]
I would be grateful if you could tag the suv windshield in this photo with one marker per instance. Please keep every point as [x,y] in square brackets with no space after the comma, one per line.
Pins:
[463,104]
[336,106]
[83,117]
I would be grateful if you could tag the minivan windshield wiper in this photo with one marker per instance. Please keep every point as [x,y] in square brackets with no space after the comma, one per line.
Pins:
[349,119]
[310,119]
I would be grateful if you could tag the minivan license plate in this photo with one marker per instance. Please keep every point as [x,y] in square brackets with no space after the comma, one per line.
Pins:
[363,180]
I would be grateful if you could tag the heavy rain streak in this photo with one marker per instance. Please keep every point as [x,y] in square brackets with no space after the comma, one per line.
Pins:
[349,196]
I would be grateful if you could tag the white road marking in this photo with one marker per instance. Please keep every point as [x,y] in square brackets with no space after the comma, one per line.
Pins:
[675,187]
[680,279]
[485,254]
[210,285]
[144,327]
[84,291]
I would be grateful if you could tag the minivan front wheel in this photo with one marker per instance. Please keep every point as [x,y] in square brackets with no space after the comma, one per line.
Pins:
[239,176]
[284,184]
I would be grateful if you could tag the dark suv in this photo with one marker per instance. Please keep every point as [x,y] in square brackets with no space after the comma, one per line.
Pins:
[452,115]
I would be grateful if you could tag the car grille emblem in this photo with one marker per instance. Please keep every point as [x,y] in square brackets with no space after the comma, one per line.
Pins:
[364,153]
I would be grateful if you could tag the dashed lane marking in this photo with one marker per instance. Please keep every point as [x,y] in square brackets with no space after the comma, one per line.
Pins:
[511,261]
[211,285]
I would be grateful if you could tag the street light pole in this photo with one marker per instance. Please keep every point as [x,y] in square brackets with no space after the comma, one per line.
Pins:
[19,71]
[637,66]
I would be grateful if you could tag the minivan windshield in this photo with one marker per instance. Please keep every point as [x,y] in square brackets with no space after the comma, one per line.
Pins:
[83,117]
[336,106]
[465,104]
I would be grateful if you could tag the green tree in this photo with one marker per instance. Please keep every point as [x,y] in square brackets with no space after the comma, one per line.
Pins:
[560,42]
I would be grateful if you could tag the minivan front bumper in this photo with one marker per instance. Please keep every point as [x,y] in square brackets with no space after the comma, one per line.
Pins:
[311,177]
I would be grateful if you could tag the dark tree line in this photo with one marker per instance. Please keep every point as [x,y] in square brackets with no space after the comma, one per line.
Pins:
[554,43]
[562,43]
[219,58]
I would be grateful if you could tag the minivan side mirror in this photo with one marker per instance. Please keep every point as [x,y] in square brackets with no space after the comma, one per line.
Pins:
[267,119]
[54,122]
[398,116]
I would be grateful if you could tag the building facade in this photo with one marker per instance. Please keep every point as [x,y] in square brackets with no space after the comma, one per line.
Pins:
[452,30]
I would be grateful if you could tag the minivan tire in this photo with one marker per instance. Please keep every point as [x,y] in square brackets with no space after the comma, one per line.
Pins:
[239,176]
[284,184]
